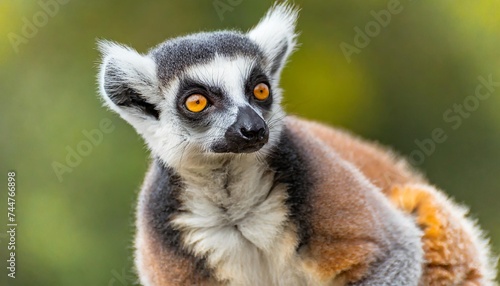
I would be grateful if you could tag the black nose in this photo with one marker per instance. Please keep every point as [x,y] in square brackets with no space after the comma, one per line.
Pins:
[253,134]
[248,133]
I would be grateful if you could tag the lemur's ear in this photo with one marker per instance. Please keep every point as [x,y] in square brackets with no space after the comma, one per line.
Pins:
[128,82]
[275,35]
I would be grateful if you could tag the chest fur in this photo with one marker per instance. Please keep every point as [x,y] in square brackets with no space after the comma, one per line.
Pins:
[236,217]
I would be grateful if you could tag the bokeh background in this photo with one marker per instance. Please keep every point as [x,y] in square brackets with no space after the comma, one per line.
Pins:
[77,229]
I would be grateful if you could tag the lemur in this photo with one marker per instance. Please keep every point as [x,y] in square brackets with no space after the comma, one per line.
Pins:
[239,193]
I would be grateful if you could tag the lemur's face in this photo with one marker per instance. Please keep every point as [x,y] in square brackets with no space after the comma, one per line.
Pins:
[204,94]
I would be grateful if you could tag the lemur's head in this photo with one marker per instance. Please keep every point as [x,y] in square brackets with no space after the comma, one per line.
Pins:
[204,94]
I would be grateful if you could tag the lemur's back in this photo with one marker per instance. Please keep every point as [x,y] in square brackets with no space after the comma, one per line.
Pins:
[455,250]
[377,163]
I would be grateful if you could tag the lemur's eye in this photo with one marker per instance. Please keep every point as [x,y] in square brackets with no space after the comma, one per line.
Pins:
[196,103]
[261,91]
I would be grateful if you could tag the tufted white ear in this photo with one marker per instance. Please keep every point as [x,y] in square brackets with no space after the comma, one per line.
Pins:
[128,82]
[275,35]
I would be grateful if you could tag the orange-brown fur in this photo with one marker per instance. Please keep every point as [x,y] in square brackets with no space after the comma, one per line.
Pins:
[448,252]
[167,268]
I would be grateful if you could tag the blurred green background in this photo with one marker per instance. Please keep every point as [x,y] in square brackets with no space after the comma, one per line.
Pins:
[78,230]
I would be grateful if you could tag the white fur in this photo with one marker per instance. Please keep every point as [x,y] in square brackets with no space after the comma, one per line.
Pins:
[227,73]
[133,68]
[275,29]
[242,233]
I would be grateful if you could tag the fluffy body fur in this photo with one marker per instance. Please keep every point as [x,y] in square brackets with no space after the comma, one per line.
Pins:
[312,206]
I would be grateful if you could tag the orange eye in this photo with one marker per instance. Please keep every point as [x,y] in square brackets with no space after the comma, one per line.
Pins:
[261,91]
[196,103]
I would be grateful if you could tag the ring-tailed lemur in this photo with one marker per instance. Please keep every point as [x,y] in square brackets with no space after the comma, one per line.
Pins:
[238,193]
